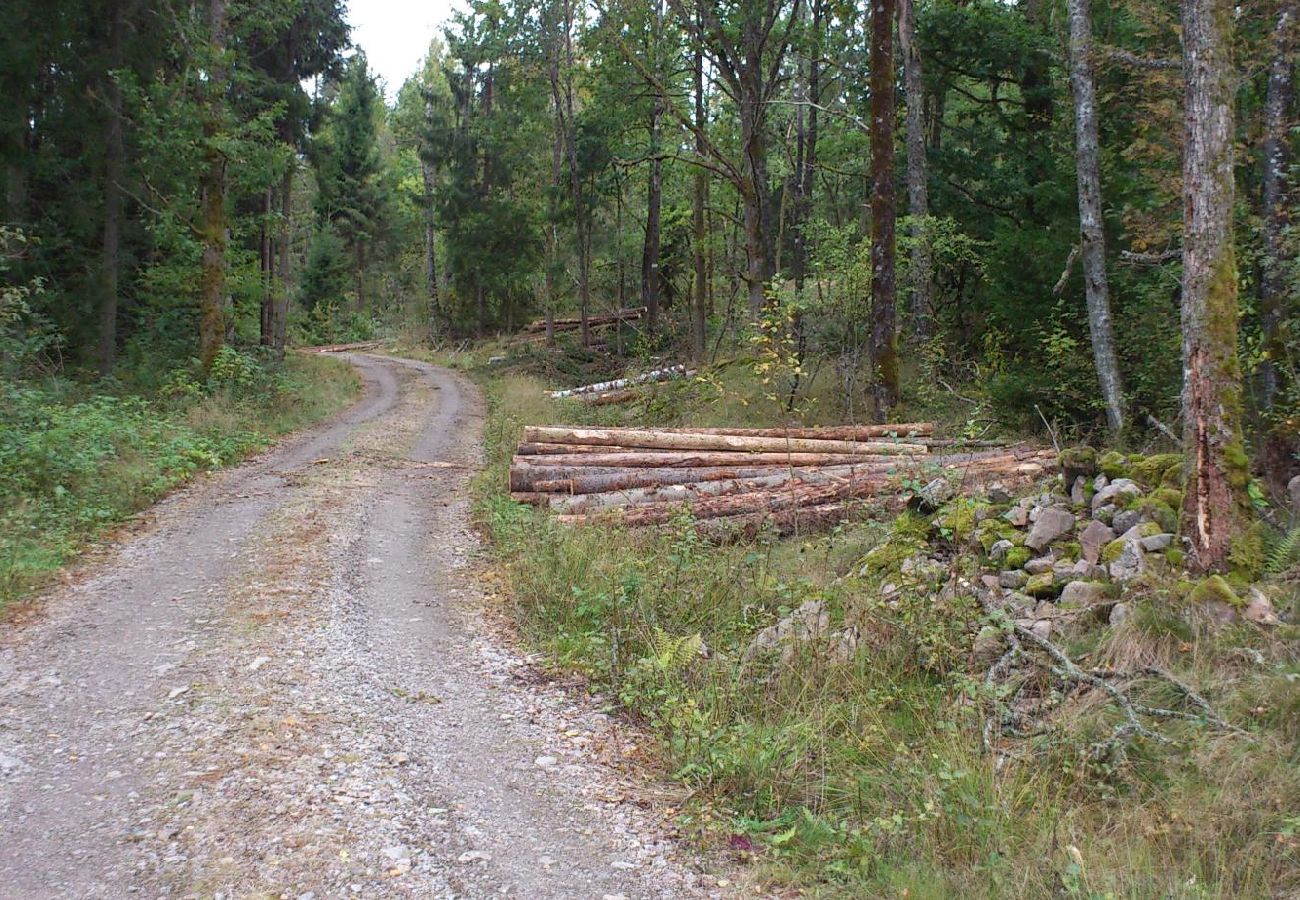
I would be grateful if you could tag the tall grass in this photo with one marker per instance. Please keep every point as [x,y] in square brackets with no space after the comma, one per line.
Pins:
[867,776]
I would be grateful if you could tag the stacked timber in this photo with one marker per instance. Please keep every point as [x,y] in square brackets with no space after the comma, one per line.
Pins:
[742,479]
[536,330]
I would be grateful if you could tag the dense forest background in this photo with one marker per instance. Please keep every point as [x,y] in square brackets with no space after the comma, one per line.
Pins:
[915,198]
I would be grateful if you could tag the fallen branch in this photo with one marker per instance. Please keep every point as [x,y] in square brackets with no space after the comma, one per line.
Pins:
[603,386]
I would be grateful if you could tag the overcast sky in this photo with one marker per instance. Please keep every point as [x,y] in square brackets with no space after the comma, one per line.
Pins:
[395,34]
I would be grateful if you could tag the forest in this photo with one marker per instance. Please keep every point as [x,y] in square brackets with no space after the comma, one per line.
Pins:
[1064,222]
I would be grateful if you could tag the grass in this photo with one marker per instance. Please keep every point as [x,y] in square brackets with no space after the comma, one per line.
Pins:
[73,461]
[867,777]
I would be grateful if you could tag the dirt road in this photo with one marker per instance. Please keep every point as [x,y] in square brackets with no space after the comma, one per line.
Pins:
[278,687]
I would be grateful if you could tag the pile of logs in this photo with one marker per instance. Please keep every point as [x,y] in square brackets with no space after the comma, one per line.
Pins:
[536,330]
[742,479]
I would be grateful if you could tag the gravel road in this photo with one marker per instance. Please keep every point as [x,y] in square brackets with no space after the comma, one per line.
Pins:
[280,685]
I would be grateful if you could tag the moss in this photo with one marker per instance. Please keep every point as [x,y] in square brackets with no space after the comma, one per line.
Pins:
[912,525]
[1248,554]
[1043,585]
[1173,477]
[1076,461]
[1215,588]
[957,521]
[1150,529]
[1169,497]
[1175,557]
[1070,550]
[1150,470]
[1111,551]
[1113,464]
[1238,463]
[888,556]
[1161,514]
[1017,557]
[990,531]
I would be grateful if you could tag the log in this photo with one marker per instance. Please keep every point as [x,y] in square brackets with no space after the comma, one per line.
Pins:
[689,492]
[822,432]
[575,323]
[650,459]
[670,440]
[791,494]
[781,522]
[601,387]
[626,395]
[543,475]
[794,495]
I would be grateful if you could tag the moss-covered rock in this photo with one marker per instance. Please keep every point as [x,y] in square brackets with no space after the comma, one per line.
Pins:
[1173,477]
[1016,557]
[1070,550]
[1160,513]
[1043,585]
[1150,470]
[1170,497]
[1113,464]
[1076,461]
[1215,589]
[1111,551]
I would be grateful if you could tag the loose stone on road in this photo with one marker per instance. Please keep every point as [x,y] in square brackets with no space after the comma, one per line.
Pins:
[281,686]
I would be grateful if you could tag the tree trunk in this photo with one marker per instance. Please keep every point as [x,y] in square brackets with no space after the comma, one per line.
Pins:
[212,331]
[699,201]
[285,249]
[1276,209]
[918,173]
[266,264]
[114,172]
[884,336]
[430,250]
[1092,235]
[1212,401]
[753,194]
[650,287]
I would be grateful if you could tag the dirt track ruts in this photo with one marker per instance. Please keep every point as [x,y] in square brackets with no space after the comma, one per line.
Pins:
[279,686]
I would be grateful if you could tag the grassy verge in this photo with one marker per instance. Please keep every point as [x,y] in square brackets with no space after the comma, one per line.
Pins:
[73,463]
[865,774]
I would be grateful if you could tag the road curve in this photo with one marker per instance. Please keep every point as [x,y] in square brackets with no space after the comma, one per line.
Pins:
[279,686]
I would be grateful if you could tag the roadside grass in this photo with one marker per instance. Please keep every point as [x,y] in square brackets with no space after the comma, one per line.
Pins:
[868,777]
[74,462]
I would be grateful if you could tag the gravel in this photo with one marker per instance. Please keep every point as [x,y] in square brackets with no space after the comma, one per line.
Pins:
[289,683]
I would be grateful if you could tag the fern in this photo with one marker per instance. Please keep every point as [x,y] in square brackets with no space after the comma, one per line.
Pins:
[1285,553]
[671,655]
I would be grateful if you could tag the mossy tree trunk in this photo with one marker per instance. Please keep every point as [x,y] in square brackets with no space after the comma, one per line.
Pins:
[1212,392]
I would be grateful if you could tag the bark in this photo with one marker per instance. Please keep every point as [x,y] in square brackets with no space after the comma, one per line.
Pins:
[918,172]
[213,227]
[1276,209]
[1092,236]
[669,440]
[823,432]
[114,172]
[1212,438]
[884,337]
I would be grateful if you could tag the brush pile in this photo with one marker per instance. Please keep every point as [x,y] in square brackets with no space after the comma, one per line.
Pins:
[743,479]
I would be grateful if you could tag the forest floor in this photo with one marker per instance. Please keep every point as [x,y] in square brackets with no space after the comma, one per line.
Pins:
[285,682]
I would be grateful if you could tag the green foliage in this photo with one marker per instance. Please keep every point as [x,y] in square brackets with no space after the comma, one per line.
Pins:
[72,462]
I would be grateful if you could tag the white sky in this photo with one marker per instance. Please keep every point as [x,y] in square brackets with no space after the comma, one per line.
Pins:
[395,34]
